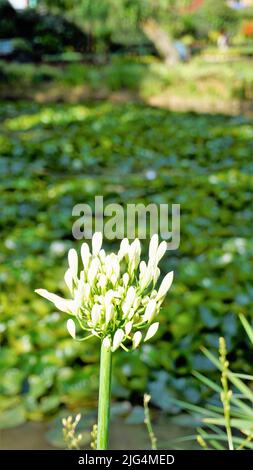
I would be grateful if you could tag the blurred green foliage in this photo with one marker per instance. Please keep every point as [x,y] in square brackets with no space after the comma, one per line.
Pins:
[54,156]
[120,20]
[36,33]
[144,77]
[108,26]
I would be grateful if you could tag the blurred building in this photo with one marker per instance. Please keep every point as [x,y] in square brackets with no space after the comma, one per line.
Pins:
[239,4]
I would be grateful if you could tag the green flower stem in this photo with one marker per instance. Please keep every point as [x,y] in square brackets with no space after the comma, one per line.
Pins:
[104,397]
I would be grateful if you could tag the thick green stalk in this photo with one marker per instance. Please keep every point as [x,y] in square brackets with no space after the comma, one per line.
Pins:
[104,397]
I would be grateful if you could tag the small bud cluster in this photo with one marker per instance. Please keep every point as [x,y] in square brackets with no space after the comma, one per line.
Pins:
[69,432]
[94,434]
[113,296]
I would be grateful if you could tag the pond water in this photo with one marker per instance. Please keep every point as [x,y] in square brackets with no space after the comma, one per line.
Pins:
[44,436]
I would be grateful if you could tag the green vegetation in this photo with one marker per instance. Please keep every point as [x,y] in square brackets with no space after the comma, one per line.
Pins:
[54,156]
[144,78]
[227,421]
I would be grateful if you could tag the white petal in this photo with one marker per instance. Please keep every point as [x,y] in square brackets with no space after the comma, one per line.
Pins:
[97,241]
[64,305]
[153,246]
[128,327]
[117,339]
[150,310]
[165,285]
[136,339]
[73,262]
[48,295]
[161,251]
[85,255]
[151,331]
[71,327]
[68,280]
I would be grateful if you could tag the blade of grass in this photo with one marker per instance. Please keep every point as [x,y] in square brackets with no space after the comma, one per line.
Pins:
[209,383]
[248,328]
[237,382]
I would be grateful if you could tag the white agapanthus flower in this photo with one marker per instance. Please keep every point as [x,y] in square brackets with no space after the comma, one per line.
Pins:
[113,296]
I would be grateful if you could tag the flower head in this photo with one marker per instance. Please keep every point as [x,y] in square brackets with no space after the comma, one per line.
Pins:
[113,296]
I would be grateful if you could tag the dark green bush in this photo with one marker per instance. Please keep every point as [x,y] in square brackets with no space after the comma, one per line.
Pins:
[44,33]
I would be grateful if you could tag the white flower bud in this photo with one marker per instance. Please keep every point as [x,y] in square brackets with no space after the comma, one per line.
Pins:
[73,262]
[69,280]
[109,296]
[146,275]
[86,291]
[153,294]
[136,303]
[108,267]
[97,241]
[115,265]
[156,275]
[95,314]
[131,313]
[93,269]
[102,281]
[128,327]
[109,313]
[78,299]
[102,255]
[117,339]
[124,248]
[153,246]
[134,255]
[107,342]
[151,331]
[85,255]
[77,419]
[129,300]
[150,311]
[143,268]
[165,285]
[136,339]
[71,327]
[114,279]
[125,279]
[161,251]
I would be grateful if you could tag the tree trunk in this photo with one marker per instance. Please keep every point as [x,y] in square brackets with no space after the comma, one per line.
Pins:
[161,41]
